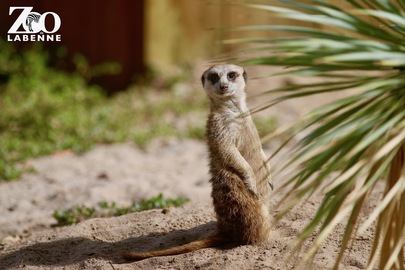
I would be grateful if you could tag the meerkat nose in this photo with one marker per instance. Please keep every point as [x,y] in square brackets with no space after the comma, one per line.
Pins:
[223,87]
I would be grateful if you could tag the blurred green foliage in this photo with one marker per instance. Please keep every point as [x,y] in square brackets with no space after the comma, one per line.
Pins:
[265,125]
[76,214]
[45,110]
[42,109]
[73,215]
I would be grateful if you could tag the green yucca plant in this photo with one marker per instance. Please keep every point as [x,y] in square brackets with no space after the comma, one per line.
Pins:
[355,142]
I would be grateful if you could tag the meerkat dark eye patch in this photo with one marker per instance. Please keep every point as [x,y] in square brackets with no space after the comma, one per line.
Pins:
[232,75]
[213,78]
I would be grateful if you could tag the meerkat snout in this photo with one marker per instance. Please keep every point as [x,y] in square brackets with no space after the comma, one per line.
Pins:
[223,87]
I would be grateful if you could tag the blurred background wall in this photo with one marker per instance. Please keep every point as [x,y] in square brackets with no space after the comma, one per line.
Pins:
[142,34]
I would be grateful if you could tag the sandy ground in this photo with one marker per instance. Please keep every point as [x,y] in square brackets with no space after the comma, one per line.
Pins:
[173,168]
[123,173]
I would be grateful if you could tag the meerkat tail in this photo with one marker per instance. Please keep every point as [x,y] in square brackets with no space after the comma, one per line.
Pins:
[212,241]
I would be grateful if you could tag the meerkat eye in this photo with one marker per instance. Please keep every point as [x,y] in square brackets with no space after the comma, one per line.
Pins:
[213,77]
[232,75]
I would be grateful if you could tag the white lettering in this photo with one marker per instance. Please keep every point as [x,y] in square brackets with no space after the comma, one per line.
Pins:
[33,22]
[56,19]
[20,20]
[34,38]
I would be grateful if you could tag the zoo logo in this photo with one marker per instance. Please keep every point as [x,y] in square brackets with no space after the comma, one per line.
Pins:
[32,22]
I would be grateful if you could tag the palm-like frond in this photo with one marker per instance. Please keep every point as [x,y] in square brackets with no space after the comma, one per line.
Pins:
[355,142]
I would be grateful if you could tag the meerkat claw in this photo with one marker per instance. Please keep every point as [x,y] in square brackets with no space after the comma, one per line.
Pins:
[271,185]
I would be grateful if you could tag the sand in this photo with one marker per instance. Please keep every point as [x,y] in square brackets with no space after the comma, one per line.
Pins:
[175,168]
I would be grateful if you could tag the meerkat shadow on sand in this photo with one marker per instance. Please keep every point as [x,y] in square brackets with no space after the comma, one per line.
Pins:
[79,249]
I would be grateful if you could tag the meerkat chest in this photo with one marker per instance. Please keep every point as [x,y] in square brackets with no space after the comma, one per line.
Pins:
[248,142]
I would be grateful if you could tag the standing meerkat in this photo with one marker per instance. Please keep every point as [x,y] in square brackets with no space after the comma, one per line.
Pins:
[240,175]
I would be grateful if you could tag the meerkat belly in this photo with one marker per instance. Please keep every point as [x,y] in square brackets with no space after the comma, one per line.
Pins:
[251,149]
[241,217]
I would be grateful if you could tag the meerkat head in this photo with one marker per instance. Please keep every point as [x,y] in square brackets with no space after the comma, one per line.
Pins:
[224,81]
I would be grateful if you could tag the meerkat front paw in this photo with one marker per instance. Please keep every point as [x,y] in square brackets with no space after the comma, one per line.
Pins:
[250,183]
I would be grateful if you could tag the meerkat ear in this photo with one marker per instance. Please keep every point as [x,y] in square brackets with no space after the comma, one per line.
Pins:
[245,76]
[203,79]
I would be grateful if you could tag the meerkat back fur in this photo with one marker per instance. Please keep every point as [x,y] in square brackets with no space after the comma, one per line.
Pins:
[240,174]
